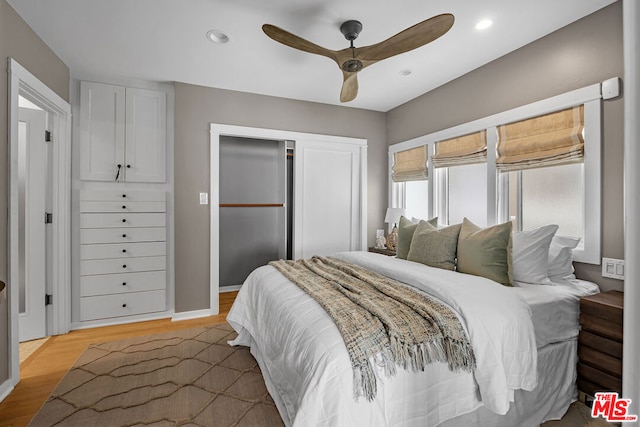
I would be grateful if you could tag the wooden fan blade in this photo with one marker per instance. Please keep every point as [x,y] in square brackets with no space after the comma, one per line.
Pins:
[409,39]
[296,42]
[349,87]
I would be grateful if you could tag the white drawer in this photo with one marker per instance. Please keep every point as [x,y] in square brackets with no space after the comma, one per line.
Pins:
[108,266]
[120,235]
[122,195]
[118,305]
[106,284]
[112,220]
[122,250]
[122,206]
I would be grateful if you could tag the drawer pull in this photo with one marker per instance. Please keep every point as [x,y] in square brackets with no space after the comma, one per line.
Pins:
[124,207]
[124,251]
[124,195]
[124,220]
[124,235]
[124,305]
[124,265]
[128,166]
[124,283]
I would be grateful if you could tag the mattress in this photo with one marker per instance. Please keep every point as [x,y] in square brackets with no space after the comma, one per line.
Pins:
[308,373]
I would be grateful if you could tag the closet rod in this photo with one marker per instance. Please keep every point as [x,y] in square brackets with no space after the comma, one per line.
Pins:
[251,205]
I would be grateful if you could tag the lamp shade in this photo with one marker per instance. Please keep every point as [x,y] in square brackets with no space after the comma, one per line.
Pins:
[393,215]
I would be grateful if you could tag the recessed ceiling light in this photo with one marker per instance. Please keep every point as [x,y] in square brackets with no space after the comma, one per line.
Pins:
[217,36]
[484,24]
[405,72]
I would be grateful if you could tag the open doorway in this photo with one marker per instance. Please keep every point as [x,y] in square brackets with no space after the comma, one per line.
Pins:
[39,213]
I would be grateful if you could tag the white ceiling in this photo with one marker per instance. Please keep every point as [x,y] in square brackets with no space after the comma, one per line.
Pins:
[164,40]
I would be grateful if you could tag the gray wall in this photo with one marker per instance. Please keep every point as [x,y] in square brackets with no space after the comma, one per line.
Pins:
[18,41]
[583,53]
[195,108]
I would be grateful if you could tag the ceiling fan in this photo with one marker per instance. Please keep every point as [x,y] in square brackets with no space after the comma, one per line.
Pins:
[353,59]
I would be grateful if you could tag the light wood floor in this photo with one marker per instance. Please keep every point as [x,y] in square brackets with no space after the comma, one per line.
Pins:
[44,369]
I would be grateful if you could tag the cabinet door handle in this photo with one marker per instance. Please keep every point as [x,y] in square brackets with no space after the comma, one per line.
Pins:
[118,172]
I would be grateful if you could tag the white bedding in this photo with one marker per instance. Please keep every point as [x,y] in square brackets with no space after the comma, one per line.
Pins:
[307,368]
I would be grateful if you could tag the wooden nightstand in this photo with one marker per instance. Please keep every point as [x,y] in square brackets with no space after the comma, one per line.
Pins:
[388,252]
[600,343]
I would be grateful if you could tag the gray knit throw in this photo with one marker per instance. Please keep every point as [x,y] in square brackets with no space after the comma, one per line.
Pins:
[381,320]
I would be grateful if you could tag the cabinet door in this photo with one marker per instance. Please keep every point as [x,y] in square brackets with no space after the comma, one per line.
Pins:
[102,131]
[145,153]
[327,191]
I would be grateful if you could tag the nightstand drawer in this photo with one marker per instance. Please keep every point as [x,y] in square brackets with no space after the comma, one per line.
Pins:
[602,361]
[606,306]
[604,381]
[601,327]
[604,345]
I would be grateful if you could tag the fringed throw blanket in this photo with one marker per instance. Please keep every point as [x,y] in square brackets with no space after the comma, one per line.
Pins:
[381,320]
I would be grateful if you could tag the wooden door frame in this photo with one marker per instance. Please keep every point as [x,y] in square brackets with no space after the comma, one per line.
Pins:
[218,130]
[21,81]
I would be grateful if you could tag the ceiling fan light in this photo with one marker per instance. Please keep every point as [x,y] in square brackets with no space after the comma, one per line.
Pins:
[217,36]
[484,24]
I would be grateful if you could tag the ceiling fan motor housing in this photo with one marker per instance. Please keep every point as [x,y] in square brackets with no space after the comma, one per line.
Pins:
[351,29]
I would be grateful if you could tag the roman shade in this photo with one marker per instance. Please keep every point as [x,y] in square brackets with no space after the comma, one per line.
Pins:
[410,165]
[463,150]
[549,140]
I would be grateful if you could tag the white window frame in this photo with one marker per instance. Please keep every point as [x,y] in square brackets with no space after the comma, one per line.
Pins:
[497,184]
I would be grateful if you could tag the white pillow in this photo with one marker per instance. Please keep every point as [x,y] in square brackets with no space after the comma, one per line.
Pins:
[530,254]
[561,256]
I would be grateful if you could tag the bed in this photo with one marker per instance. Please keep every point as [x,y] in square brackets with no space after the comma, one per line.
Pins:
[524,338]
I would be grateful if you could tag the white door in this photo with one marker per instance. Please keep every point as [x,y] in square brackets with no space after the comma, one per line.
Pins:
[102,131]
[146,139]
[327,198]
[32,170]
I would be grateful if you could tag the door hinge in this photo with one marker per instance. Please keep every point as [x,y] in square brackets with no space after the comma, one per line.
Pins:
[47,136]
[48,218]
[48,299]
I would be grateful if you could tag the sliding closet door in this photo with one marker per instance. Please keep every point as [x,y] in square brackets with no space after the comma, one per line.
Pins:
[327,198]
[252,206]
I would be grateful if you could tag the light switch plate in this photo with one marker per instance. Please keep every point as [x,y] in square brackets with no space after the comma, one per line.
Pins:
[204,198]
[613,268]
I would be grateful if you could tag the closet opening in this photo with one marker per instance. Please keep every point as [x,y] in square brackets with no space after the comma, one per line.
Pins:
[256,190]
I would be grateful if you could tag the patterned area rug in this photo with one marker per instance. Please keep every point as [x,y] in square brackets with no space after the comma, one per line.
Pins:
[182,378]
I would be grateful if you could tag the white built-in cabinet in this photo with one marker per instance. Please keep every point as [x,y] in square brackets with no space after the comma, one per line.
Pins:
[122,204]
[122,253]
[123,133]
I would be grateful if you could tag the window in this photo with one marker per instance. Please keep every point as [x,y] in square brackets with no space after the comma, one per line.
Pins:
[552,195]
[416,199]
[467,194]
[550,172]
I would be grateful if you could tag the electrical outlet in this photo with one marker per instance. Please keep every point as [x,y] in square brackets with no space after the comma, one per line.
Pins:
[613,268]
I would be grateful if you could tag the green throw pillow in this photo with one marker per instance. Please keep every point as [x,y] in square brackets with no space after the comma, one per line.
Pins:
[406,228]
[486,252]
[435,247]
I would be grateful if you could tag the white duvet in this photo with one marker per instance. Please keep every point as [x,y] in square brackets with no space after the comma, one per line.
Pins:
[309,375]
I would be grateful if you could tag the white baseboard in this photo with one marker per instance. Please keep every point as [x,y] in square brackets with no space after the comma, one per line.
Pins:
[5,389]
[231,288]
[195,314]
